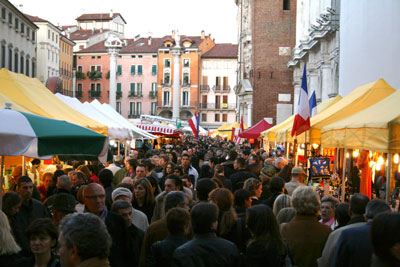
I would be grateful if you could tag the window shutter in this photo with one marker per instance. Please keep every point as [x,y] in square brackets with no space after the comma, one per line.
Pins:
[154,70]
[133,69]
[118,87]
[119,70]
[140,69]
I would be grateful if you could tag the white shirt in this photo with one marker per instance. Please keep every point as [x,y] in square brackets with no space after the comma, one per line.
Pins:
[114,168]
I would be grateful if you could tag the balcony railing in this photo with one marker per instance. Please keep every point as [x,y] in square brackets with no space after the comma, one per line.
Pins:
[135,94]
[218,106]
[204,87]
[153,94]
[119,94]
[134,116]
[94,94]
[79,94]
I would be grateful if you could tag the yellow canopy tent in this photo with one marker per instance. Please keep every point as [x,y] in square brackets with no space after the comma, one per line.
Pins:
[32,95]
[270,134]
[14,106]
[375,128]
[360,98]
[223,127]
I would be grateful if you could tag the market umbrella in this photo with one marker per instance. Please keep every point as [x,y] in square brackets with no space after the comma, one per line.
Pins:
[25,134]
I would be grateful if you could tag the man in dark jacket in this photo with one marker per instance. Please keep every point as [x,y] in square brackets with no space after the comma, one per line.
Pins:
[206,249]
[30,210]
[354,245]
[161,252]
[94,199]
[228,165]
[136,235]
[240,175]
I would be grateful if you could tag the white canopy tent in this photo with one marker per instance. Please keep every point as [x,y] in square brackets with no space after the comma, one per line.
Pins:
[114,115]
[115,129]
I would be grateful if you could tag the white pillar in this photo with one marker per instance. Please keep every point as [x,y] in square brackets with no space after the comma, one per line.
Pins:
[176,52]
[249,110]
[113,80]
[113,45]
[73,83]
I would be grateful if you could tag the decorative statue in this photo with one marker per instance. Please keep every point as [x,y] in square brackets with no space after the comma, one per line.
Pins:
[113,41]
[177,39]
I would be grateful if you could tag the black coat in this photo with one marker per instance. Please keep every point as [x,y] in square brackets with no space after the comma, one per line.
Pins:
[264,253]
[146,209]
[207,250]
[161,252]
[119,252]
[238,179]
[135,242]
[25,216]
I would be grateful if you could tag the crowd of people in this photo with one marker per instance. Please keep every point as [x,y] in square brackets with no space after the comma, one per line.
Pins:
[203,202]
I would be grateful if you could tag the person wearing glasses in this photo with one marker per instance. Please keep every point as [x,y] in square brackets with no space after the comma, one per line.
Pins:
[94,198]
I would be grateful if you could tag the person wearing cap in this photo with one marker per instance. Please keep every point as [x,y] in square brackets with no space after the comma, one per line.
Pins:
[298,176]
[139,219]
[63,205]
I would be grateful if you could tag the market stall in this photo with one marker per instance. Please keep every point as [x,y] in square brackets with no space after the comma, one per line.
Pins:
[374,134]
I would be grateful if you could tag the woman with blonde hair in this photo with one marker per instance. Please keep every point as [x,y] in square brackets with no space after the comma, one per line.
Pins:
[9,249]
[229,226]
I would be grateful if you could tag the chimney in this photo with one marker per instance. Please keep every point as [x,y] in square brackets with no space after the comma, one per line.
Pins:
[111,13]
[149,41]
[173,34]
[94,26]
[125,42]
[21,8]
[203,35]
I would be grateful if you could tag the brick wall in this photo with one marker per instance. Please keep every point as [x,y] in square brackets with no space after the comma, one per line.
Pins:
[272,28]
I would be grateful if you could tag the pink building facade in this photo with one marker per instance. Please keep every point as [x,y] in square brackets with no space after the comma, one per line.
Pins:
[136,76]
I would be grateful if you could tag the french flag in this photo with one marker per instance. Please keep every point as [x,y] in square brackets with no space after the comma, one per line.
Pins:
[194,123]
[302,109]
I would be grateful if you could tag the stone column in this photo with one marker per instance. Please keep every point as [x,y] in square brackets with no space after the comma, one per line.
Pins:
[313,84]
[249,111]
[113,45]
[176,52]
[296,85]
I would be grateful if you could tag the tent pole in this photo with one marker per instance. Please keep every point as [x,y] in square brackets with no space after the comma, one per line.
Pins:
[389,172]
[1,182]
[344,174]
[119,148]
[23,165]
[126,147]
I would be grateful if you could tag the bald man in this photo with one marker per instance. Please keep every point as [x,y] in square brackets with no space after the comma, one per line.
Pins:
[94,198]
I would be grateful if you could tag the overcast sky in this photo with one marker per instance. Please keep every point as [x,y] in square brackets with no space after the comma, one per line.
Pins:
[159,17]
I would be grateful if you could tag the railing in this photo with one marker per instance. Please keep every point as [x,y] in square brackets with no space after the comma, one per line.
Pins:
[119,94]
[79,94]
[135,94]
[204,87]
[225,88]
[134,116]
[219,106]
[153,94]
[94,94]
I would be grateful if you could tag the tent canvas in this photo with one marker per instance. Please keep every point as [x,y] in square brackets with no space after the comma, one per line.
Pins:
[32,95]
[270,134]
[105,108]
[375,128]
[359,99]
[115,130]
[255,131]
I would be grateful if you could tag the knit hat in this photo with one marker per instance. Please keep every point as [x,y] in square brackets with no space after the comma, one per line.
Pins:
[121,191]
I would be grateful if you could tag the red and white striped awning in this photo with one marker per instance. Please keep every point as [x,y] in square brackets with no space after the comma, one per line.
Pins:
[158,129]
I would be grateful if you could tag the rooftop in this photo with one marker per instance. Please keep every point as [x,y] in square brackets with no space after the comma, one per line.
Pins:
[84,34]
[222,51]
[99,16]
